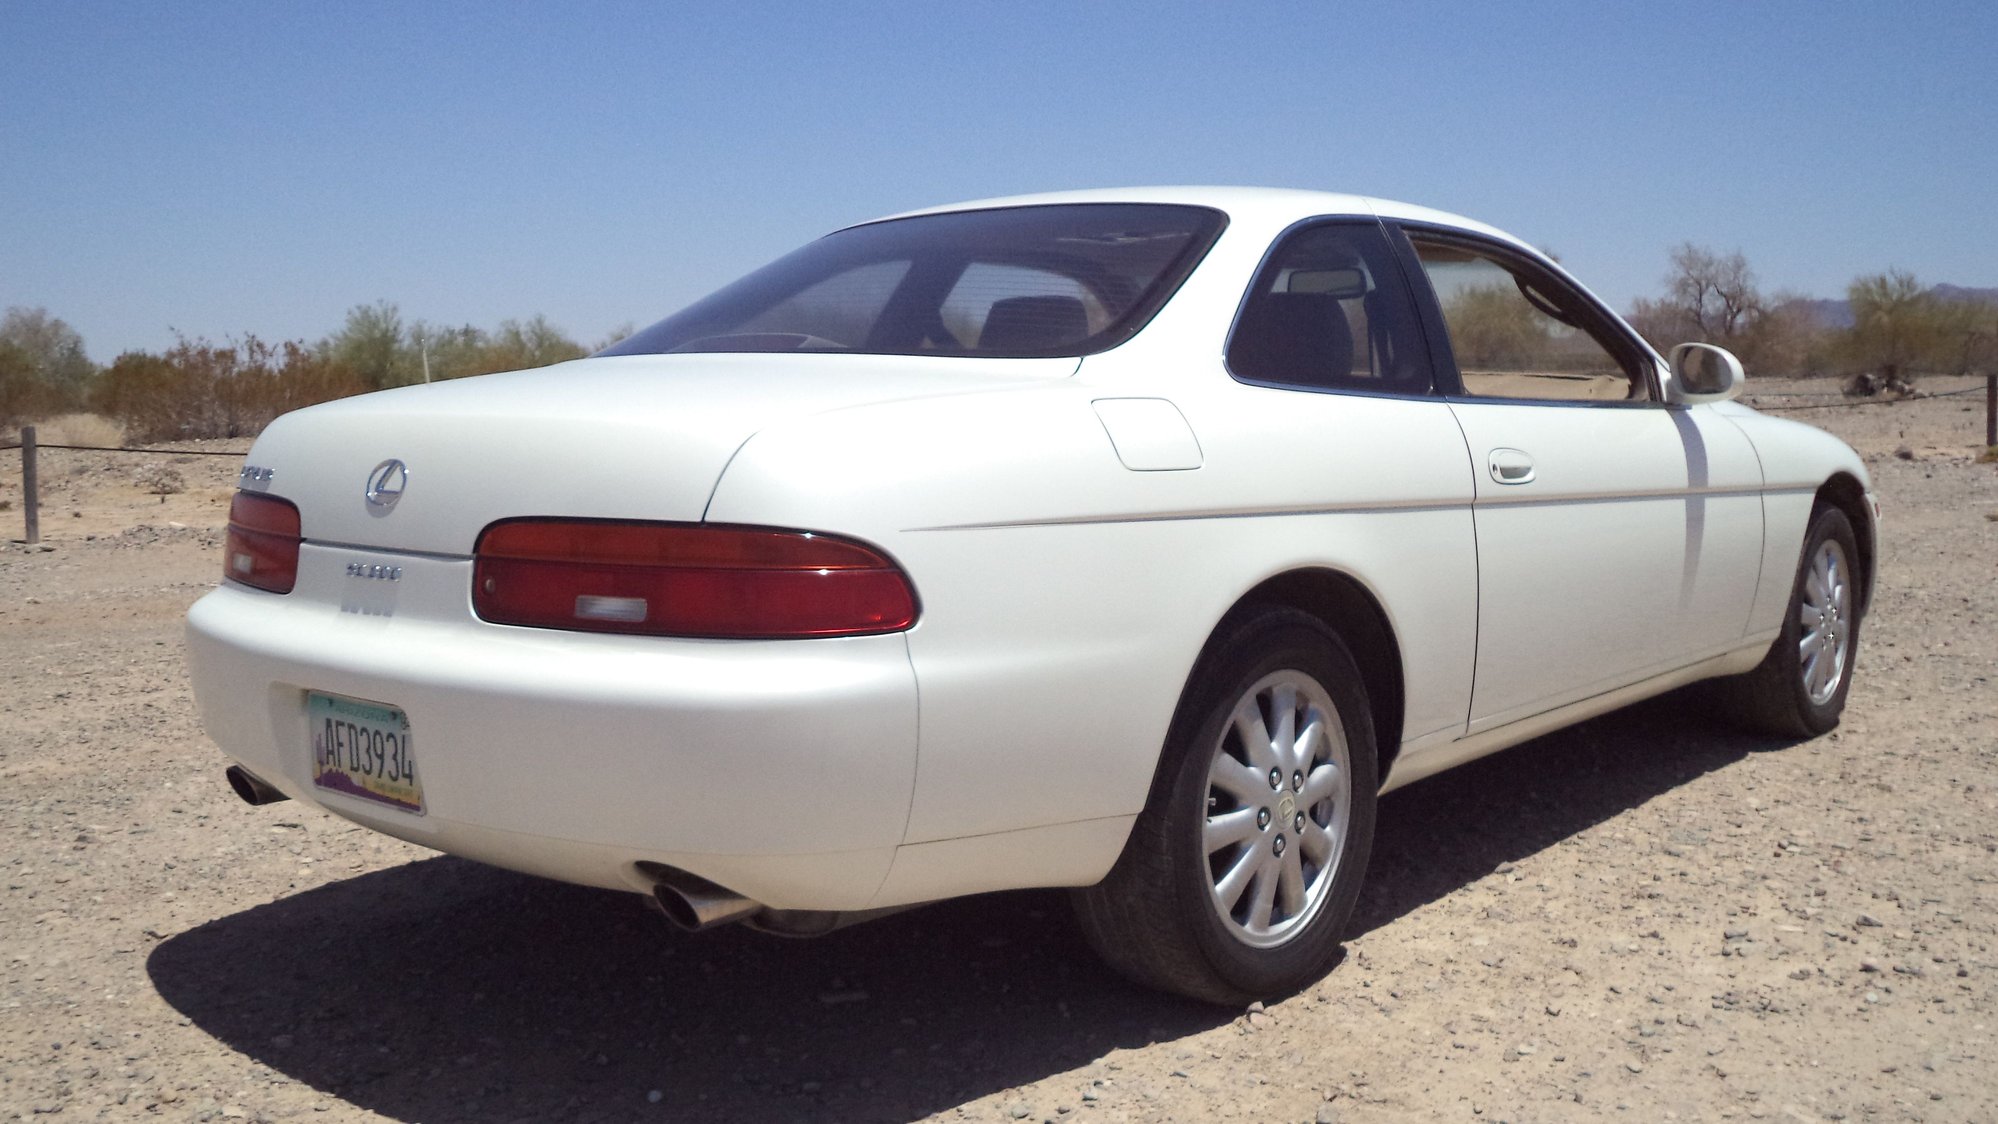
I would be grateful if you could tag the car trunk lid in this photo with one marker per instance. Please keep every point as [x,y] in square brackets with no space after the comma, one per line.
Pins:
[637,437]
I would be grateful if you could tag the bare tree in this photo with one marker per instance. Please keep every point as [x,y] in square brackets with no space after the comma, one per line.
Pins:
[1715,292]
[616,335]
[1709,297]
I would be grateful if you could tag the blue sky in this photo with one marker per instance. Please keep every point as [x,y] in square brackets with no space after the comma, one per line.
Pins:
[219,168]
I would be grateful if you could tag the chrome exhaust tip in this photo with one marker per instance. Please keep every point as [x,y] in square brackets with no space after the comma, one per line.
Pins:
[251,787]
[694,904]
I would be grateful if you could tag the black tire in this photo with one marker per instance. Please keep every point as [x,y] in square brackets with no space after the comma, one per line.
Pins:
[1157,917]
[1777,698]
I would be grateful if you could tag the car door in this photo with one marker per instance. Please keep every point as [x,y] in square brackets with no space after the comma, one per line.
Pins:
[1349,438]
[1618,537]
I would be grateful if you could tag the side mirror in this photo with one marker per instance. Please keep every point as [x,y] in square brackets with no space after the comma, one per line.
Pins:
[1702,372]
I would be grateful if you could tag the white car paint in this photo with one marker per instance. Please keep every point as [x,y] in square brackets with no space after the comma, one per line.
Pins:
[1074,529]
[1632,550]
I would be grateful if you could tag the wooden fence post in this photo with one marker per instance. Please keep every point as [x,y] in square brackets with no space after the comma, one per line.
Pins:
[31,502]
[1991,408]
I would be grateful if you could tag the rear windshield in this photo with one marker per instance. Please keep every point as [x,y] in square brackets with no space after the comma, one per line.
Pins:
[1066,279]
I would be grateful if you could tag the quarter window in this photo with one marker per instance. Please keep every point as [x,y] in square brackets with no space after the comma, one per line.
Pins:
[1519,334]
[1329,311]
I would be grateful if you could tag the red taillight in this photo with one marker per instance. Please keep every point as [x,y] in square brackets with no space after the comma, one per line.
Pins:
[679,579]
[262,549]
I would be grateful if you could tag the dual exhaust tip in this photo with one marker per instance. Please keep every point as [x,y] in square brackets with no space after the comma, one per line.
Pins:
[694,903]
[688,901]
[251,787]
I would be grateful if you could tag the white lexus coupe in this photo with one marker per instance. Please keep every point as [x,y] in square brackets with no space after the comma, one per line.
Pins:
[1130,541]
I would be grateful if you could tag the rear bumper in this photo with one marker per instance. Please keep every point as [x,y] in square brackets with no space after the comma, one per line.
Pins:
[782,770]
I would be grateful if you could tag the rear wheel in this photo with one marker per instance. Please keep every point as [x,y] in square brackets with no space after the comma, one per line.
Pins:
[1800,687]
[1242,872]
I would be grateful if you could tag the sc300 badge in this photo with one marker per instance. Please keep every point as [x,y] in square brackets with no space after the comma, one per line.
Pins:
[374,572]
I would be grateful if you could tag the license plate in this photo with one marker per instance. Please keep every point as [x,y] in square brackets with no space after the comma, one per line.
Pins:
[362,749]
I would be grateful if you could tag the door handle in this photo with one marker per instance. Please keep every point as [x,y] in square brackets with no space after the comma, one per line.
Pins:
[1510,466]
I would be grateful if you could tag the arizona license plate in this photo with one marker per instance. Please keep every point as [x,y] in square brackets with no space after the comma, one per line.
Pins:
[362,749]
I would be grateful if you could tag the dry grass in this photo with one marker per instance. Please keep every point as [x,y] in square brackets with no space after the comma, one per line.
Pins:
[80,429]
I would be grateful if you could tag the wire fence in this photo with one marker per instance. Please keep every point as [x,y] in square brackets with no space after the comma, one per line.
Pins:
[31,500]
[122,449]
[32,505]
[1883,401]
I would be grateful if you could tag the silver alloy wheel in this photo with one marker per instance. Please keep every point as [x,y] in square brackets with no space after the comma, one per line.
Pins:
[1278,808]
[1825,612]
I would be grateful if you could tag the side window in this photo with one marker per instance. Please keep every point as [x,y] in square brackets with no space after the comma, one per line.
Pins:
[1518,335]
[1329,311]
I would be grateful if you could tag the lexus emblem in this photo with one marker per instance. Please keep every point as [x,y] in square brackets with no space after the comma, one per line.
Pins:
[385,484]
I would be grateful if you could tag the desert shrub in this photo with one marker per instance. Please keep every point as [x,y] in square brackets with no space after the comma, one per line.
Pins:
[43,367]
[198,389]
[23,393]
[160,480]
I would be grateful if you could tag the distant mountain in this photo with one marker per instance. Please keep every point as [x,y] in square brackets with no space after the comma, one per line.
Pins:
[1838,313]
[1826,313]
[1960,293]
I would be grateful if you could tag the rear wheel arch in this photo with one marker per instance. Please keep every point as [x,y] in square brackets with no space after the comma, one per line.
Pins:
[1276,688]
[1351,610]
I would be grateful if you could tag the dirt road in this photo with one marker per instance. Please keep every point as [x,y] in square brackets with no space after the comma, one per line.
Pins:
[1647,917]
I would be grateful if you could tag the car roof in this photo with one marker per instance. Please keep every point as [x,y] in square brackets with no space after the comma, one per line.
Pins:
[1272,204]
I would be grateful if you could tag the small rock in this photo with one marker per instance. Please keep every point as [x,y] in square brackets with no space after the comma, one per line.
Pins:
[1256,1006]
[1869,965]
[1259,1021]
[1867,921]
[1904,453]
[1326,1115]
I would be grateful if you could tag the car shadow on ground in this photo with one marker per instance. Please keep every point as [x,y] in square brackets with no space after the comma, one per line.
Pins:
[446,991]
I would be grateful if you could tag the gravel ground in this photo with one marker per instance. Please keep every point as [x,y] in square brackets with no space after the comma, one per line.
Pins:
[1647,917]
